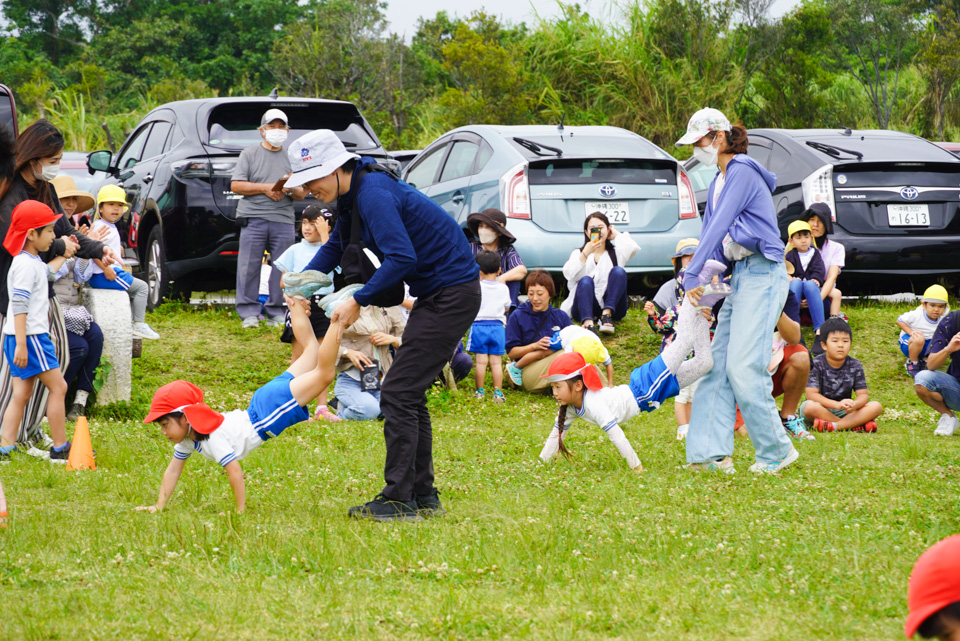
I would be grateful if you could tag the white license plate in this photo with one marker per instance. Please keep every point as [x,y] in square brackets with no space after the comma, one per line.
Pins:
[908,215]
[618,213]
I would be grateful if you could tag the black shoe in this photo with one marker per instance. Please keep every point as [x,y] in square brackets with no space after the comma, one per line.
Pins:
[383,509]
[429,504]
[606,324]
[76,411]
[62,455]
[333,404]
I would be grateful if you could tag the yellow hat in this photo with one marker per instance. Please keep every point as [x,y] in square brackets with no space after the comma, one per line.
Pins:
[112,194]
[66,187]
[590,348]
[798,225]
[934,294]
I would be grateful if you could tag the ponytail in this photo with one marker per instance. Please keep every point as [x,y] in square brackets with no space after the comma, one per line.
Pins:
[737,141]
[561,419]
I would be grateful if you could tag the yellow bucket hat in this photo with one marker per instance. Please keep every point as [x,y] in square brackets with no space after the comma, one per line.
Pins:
[591,349]
[935,294]
[112,194]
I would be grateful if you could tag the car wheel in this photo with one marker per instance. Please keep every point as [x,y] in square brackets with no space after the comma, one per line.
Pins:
[156,271]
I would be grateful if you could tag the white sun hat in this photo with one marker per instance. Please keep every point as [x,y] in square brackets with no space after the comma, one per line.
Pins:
[273,114]
[315,155]
[703,122]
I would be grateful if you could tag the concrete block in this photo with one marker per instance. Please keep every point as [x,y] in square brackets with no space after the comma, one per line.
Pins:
[111,309]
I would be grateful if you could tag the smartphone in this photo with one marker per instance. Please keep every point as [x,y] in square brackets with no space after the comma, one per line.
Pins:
[594,234]
[370,377]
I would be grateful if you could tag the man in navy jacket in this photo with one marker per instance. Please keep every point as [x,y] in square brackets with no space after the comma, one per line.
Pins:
[417,242]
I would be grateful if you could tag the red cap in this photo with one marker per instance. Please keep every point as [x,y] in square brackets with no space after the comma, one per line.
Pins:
[934,582]
[30,214]
[181,396]
[570,365]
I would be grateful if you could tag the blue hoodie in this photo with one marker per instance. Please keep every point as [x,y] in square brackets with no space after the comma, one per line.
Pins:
[745,211]
[414,238]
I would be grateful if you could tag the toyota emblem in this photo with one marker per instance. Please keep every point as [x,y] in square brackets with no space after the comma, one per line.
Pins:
[608,191]
[909,193]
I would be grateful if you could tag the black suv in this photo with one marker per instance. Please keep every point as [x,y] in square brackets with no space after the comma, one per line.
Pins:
[176,168]
[895,198]
[8,109]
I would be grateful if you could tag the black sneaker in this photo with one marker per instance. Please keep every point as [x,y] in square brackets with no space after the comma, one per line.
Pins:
[76,411]
[60,456]
[333,404]
[429,504]
[383,509]
[606,324]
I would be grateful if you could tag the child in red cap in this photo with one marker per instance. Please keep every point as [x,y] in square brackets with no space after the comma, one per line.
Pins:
[577,385]
[192,426]
[934,593]
[26,343]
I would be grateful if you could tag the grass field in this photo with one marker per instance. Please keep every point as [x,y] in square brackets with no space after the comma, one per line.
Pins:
[579,549]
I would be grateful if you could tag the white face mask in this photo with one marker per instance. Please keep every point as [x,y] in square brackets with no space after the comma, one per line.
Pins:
[487,236]
[275,137]
[706,155]
[48,172]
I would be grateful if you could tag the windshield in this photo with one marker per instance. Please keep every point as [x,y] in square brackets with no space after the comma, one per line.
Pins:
[236,125]
[622,171]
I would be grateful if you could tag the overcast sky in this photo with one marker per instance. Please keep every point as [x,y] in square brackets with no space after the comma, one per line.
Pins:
[403,14]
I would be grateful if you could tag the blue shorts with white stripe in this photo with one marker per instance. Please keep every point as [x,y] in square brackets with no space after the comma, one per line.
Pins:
[652,384]
[273,408]
[41,355]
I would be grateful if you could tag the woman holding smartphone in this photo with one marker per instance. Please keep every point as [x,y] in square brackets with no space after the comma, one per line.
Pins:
[596,276]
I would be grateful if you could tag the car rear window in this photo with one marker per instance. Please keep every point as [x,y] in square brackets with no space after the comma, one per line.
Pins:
[609,170]
[236,125]
[880,148]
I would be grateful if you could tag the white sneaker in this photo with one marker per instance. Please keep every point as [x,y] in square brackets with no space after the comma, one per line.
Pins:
[250,322]
[142,330]
[773,468]
[725,465]
[36,452]
[947,425]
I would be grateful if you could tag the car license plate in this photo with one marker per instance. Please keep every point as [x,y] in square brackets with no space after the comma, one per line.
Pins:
[908,215]
[618,213]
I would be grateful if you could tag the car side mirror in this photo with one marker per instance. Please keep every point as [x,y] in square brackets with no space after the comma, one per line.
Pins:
[100,161]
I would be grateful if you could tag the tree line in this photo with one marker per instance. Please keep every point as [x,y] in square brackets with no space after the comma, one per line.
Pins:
[95,67]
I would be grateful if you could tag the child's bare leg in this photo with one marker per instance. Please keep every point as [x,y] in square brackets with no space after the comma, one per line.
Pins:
[496,371]
[835,300]
[914,347]
[858,417]
[303,336]
[480,370]
[681,412]
[56,412]
[296,350]
[531,357]
[22,390]
[309,385]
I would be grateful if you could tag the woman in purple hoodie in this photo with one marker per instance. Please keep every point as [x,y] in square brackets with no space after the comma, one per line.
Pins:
[739,227]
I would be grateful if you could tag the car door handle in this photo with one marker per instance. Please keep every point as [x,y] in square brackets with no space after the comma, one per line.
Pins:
[457,198]
[148,179]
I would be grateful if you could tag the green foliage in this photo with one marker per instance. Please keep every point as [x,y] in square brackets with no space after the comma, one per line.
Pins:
[101,374]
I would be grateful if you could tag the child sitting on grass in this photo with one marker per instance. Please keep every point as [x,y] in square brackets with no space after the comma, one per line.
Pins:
[917,328]
[193,426]
[26,343]
[487,336]
[577,386]
[111,205]
[834,376]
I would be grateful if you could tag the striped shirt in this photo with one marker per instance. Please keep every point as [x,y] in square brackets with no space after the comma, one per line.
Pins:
[233,440]
[509,257]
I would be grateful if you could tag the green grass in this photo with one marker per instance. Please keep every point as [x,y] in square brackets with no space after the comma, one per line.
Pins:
[579,549]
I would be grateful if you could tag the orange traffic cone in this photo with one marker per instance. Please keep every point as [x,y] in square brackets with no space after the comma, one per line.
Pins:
[81,451]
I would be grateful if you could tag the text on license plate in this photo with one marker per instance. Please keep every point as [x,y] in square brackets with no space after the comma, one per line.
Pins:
[908,215]
[618,213]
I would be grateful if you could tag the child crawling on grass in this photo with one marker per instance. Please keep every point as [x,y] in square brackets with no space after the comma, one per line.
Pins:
[192,426]
[580,392]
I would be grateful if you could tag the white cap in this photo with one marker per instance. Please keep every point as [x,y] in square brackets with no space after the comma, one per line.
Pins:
[273,114]
[315,155]
[703,122]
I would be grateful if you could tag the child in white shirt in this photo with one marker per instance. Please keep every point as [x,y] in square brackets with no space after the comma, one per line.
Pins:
[487,338]
[917,328]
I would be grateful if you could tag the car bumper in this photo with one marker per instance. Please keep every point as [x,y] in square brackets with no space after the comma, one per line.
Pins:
[916,255]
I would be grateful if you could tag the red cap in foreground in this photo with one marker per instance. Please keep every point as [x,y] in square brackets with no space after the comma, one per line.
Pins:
[934,582]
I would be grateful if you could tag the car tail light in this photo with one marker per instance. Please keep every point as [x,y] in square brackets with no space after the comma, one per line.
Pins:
[515,192]
[818,188]
[688,200]
[214,168]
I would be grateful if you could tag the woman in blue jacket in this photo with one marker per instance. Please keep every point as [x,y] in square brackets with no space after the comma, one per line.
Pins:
[418,243]
[740,228]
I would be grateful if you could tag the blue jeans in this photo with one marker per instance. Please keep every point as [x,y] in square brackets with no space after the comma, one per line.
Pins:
[943,384]
[355,404]
[809,290]
[85,352]
[741,353]
[585,303]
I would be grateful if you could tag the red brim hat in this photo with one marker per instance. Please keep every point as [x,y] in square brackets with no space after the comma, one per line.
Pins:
[183,396]
[30,214]
[571,365]
[934,583]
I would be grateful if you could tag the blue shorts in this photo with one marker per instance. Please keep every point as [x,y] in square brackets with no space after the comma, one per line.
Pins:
[273,408]
[41,356]
[123,282]
[652,384]
[905,345]
[487,337]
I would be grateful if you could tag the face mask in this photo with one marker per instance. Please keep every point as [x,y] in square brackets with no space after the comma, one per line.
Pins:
[487,236]
[706,155]
[48,172]
[275,137]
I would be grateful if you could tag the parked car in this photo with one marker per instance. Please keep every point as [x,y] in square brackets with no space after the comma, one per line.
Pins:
[176,168]
[895,198]
[547,179]
[403,156]
[952,147]
[8,109]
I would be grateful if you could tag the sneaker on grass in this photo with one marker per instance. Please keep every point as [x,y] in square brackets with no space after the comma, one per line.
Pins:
[142,330]
[383,509]
[515,374]
[498,396]
[304,284]
[480,394]
[797,428]
[429,504]
[60,455]
[947,425]
[776,466]
[724,465]
[250,322]
[824,426]
[274,321]
[606,324]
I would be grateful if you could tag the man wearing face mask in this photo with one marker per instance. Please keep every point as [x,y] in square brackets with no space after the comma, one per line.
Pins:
[265,216]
